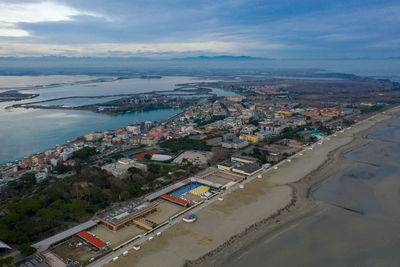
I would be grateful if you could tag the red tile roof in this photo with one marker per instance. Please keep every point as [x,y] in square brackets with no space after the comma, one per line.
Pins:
[91,239]
[174,199]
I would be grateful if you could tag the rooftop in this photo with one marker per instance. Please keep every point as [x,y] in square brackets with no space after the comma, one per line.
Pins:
[126,212]
[248,168]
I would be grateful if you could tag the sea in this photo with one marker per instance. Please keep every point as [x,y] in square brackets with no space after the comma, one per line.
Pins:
[366,233]
[27,131]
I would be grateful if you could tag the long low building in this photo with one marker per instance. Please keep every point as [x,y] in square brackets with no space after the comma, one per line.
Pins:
[118,218]
[92,239]
[46,243]
[247,169]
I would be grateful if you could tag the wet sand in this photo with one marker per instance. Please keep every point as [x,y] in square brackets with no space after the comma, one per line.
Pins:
[265,206]
[357,223]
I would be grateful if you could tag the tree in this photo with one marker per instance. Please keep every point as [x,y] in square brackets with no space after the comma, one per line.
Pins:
[50,214]
[6,261]
[253,121]
[147,157]
[219,154]
[134,170]
[61,168]
[26,249]
[154,168]
[28,178]
[84,153]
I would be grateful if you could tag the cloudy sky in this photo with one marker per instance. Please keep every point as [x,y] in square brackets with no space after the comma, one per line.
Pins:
[164,28]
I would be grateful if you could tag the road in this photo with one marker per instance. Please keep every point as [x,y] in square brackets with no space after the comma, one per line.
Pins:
[153,235]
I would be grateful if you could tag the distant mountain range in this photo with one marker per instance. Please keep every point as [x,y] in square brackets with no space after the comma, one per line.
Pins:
[196,58]
[225,57]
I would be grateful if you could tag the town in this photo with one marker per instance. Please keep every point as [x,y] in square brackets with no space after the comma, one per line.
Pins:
[105,190]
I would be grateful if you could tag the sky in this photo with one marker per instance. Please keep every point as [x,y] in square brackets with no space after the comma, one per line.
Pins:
[317,29]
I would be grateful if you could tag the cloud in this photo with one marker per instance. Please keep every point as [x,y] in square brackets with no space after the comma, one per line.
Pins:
[274,28]
[129,49]
[11,15]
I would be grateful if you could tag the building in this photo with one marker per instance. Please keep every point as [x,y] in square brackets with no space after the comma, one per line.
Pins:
[250,138]
[235,144]
[25,163]
[134,129]
[226,165]
[40,176]
[161,157]
[120,168]
[270,129]
[9,170]
[198,158]
[243,159]
[246,169]
[148,141]
[91,239]
[118,218]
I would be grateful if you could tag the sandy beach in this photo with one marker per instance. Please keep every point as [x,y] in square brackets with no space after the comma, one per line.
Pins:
[265,206]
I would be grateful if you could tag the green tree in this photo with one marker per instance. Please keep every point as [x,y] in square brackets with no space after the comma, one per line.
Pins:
[84,153]
[50,214]
[61,168]
[6,261]
[134,170]
[28,178]
[26,249]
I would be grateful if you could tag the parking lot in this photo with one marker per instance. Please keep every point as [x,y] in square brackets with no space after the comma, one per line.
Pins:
[75,254]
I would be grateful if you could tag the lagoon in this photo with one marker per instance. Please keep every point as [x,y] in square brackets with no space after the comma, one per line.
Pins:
[27,131]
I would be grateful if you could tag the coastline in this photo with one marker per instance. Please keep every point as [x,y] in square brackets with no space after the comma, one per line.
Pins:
[304,205]
[265,207]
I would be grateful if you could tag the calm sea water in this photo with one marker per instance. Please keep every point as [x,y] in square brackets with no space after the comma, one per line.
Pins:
[338,237]
[27,131]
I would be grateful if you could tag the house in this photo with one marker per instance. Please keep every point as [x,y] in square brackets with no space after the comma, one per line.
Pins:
[148,140]
[240,167]
[120,168]
[270,129]
[40,176]
[250,138]
[235,144]
[25,163]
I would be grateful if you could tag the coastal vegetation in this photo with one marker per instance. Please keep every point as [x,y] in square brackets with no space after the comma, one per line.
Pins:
[370,109]
[214,118]
[55,203]
[84,153]
[175,145]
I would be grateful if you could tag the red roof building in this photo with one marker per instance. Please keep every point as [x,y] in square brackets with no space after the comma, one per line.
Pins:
[91,239]
[175,200]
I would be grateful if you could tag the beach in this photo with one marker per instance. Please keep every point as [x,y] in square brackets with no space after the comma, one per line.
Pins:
[266,206]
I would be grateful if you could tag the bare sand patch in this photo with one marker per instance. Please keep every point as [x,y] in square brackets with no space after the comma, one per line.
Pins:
[165,210]
[215,224]
[116,237]
[242,209]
